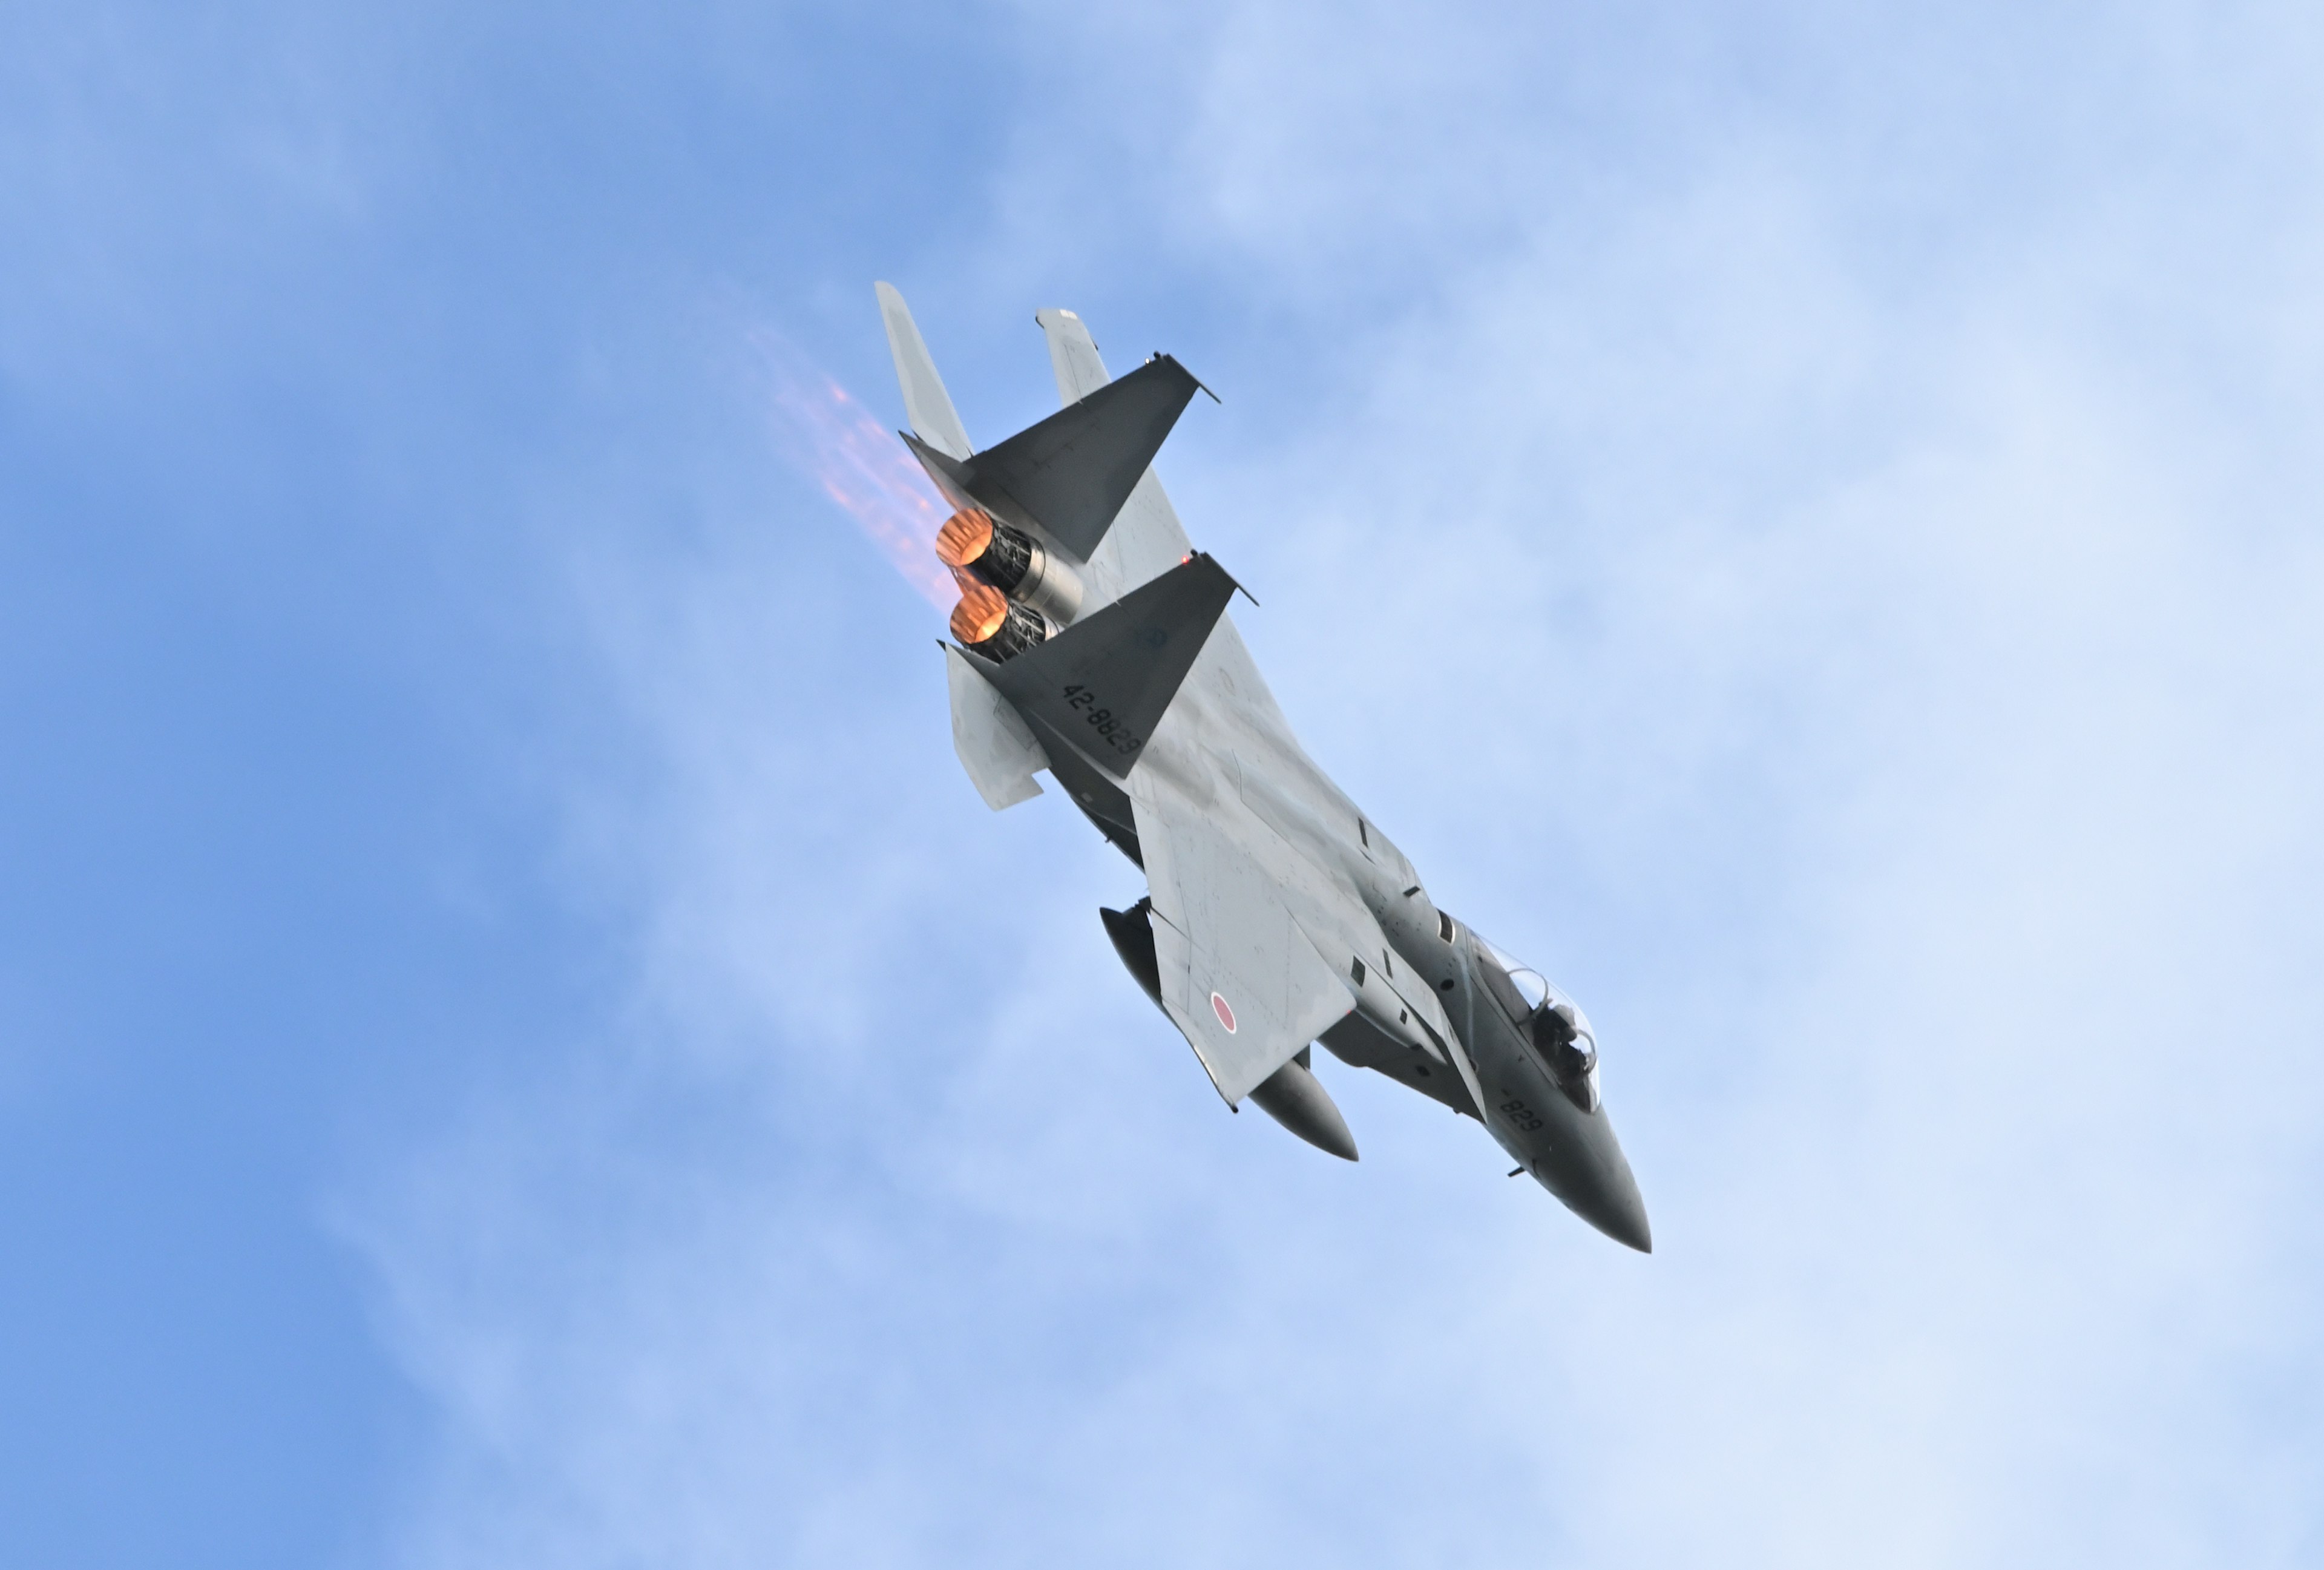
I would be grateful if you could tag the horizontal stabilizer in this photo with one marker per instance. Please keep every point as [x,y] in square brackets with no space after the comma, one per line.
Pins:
[927,405]
[1104,683]
[1068,475]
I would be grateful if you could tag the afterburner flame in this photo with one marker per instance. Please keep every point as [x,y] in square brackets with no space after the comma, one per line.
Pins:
[964,537]
[980,613]
[860,465]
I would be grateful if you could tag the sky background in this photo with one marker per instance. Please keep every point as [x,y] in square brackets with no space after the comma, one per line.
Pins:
[520,1047]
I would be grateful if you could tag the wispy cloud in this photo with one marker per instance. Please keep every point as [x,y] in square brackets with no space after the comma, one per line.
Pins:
[1859,701]
[859,464]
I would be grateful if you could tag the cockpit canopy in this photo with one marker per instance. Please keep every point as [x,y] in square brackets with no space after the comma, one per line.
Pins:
[1551,1022]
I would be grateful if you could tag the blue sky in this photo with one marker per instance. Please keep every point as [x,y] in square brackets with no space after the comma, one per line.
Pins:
[519,1044]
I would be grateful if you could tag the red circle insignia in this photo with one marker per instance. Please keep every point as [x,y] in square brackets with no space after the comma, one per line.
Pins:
[1225,1014]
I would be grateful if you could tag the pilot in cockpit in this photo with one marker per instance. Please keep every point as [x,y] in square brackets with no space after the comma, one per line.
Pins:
[1557,1030]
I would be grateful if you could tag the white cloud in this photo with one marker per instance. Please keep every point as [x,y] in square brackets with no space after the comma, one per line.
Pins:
[1879,681]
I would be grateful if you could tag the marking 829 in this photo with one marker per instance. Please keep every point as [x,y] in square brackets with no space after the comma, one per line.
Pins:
[1102,719]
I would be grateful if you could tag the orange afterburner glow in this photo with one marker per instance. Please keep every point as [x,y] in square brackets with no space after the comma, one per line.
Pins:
[964,537]
[857,462]
[980,613]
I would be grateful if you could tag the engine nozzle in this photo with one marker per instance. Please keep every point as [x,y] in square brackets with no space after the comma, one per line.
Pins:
[972,543]
[986,622]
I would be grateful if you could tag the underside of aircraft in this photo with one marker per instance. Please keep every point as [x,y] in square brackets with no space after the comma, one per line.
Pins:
[1091,641]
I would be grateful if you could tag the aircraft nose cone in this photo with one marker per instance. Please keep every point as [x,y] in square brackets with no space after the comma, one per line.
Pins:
[1624,1219]
[1614,1204]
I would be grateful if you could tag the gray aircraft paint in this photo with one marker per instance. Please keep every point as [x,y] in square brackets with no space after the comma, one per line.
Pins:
[995,745]
[1278,914]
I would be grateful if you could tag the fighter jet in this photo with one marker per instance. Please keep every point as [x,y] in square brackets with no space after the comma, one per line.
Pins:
[1091,641]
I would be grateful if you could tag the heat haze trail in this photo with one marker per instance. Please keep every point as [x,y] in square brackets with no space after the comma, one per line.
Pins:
[862,467]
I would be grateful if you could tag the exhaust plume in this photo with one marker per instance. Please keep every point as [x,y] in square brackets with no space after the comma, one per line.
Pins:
[831,439]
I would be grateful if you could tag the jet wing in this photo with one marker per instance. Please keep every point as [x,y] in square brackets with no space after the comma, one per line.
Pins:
[1240,978]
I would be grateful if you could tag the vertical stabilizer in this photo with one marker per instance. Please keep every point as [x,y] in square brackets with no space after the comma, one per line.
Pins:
[1073,355]
[994,746]
[926,404]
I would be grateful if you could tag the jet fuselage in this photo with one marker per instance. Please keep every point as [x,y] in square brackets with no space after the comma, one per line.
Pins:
[1092,642]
